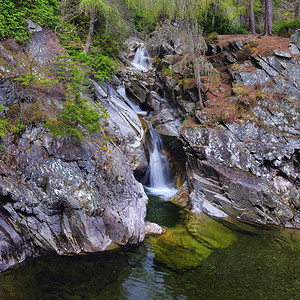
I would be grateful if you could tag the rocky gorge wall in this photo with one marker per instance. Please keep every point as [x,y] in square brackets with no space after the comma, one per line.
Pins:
[58,195]
[242,150]
[238,157]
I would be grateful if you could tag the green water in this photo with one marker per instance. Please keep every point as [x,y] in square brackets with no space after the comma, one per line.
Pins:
[198,258]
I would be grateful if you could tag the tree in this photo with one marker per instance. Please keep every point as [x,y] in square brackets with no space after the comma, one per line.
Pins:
[268,17]
[251,18]
[92,7]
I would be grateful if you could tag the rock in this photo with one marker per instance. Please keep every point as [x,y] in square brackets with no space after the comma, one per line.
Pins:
[227,164]
[125,125]
[238,44]
[294,49]
[295,38]
[69,202]
[281,53]
[267,68]
[190,245]
[153,228]
[154,100]
[211,49]
[44,46]
[229,57]
[32,27]
[138,90]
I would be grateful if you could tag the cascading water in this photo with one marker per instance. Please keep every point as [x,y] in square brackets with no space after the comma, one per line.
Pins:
[121,90]
[158,172]
[142,60]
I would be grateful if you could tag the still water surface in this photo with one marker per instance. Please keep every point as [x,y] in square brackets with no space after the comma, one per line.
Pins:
[257,263]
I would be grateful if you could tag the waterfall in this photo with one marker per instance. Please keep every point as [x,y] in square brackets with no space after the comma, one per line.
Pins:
[122,92]
[158,172]
[142,59]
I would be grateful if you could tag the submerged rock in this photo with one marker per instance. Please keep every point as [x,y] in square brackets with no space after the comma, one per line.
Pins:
[183,247]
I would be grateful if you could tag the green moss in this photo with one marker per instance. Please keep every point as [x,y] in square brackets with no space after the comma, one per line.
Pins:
[209,232]
[183,247]
[178,250]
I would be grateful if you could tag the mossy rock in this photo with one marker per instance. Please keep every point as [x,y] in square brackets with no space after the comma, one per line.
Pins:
[183,248]
[178,250]
[209,232]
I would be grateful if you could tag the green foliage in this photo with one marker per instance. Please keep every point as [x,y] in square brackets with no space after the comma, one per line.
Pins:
[19,128]
[28,79]
[77,119]
[3,124]
[286,28]
[217,20]
[142,22]
[167,72]
[13,15]
[212,38]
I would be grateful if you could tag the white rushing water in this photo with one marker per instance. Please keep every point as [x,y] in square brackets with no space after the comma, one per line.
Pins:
[141,60]
[121,90]
[158,173]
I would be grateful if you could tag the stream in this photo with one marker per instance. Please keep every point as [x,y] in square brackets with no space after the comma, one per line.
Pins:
[261,263]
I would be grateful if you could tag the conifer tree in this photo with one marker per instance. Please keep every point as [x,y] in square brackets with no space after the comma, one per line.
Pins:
[92,7]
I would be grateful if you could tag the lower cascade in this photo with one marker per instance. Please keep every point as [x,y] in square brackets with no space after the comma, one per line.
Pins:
[158,173]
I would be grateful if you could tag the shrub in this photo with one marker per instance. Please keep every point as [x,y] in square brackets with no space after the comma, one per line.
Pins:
[13,15]
[212,38]
[286,28]
[3,124]
[244,53]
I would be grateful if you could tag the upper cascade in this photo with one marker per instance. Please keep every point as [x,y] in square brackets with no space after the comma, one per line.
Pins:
[142,60]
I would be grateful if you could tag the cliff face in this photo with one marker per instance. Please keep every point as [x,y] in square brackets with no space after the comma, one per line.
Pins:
[57,195]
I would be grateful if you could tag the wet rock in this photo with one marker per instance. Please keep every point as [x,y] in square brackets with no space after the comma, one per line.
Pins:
[125,125]
[153,228]
[184,248]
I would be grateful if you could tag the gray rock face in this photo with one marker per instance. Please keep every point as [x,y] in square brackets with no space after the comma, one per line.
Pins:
[295,38]
[280,71]
[248,170]
[124,125]
[66,198]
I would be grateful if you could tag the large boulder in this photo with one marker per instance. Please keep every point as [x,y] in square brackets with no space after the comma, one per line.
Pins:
[66,197]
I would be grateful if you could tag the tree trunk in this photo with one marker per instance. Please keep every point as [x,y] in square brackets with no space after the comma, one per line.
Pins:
[91,30]
[296,10]
[268,17]
[197,66]
[262,13]
[251,18]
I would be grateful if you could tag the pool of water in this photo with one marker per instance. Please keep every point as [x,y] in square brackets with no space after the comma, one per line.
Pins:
[198,258]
